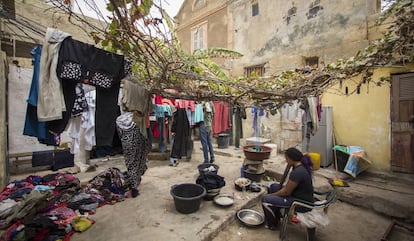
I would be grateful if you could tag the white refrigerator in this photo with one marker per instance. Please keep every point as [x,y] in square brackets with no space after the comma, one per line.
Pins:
[322,141]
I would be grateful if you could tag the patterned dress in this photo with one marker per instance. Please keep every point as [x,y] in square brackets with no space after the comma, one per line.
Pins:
[135,147]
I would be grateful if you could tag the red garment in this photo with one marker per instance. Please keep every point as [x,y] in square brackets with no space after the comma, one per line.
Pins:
[319,108]
[155,131]
[68,235]
[158,99]
[221,118]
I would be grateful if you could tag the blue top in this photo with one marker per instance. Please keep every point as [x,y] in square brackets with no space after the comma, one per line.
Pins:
[32,126]
[163,110]
[34,88]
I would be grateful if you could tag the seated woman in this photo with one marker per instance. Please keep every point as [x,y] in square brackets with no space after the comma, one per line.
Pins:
[299,186]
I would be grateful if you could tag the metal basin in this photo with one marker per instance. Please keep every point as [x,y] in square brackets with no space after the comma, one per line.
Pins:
[224,200]
[250,217]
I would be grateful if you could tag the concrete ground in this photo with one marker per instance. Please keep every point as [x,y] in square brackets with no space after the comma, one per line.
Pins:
[152,215]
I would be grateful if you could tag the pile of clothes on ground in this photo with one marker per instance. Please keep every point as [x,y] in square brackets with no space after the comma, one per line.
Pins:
[55,206]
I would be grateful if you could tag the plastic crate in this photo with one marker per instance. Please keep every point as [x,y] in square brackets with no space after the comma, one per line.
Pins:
[342,157]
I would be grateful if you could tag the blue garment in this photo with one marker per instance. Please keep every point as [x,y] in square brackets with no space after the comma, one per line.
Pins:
[256,113]
[163,110]
[34,87]
[272,204]
[190,117]
[42,188]
[199,114]
[205,138]
[33,127]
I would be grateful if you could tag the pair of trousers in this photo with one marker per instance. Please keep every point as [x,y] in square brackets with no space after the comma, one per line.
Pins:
[205,138]
[271,205]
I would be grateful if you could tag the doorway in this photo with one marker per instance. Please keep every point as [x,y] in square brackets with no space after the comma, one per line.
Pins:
[402,123]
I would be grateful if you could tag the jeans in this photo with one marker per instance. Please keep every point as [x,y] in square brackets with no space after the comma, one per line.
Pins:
[205,138]
[271,205]
[172,159]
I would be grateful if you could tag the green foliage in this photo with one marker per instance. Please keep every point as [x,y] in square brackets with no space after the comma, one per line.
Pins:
[160,63]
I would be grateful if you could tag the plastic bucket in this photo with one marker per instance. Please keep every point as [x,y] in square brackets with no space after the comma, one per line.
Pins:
[187,197]
[254,177]
[205,168]
[316,160]
[223,140]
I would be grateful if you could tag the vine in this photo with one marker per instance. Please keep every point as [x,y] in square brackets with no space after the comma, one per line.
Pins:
[145,34]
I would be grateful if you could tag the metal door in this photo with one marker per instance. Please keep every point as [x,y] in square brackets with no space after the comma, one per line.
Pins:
[402,123]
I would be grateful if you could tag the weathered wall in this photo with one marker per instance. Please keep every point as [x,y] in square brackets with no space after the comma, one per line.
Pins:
[337,30]
[42,16]
[20,79]
[42,13]
[214,13]
[326,29]
[3,131]
[38,15]
[364,119]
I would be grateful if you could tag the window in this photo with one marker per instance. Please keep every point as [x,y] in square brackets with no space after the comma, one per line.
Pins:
[255,9]
[312,62]
[199,37]
[255,71]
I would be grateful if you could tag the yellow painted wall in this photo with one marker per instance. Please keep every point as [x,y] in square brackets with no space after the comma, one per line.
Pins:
[364,119]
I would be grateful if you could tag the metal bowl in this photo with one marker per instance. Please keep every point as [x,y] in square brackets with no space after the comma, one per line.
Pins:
[250,217]
[224,200]
[242,184]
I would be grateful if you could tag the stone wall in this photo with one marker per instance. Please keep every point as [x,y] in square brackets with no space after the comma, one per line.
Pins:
[40,15]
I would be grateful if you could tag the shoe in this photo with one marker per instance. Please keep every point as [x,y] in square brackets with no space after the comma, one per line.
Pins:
[237,148]
[212,160]
[134,192]
[173,164]
[273,228]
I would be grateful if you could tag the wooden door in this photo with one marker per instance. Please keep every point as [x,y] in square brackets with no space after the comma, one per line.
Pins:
[402,123]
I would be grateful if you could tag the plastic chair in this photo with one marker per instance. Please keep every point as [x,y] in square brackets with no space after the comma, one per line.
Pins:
[288,213]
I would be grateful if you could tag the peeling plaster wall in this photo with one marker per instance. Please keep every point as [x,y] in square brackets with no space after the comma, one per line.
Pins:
[336,30]
[284,33]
